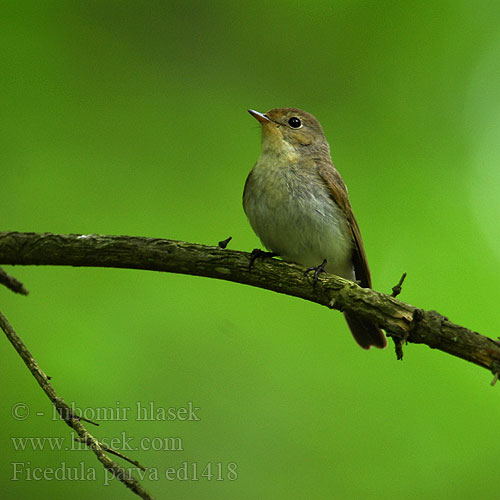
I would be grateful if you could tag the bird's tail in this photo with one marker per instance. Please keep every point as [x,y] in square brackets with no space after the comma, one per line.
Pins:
[366,334]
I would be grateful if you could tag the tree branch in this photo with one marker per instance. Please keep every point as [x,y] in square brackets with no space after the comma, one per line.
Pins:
[67,414]
[11,283]
[399,319]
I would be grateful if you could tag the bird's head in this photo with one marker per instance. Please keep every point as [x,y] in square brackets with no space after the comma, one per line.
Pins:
[291,131]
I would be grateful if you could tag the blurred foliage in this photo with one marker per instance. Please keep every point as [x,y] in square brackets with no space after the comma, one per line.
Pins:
[130,118]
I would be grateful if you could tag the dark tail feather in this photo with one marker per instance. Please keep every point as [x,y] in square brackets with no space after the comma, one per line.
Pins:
[365,333]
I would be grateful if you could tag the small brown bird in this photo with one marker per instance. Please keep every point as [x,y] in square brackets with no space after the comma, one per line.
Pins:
[297,204]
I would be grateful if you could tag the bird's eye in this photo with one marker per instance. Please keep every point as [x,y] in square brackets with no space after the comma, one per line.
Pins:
[294,122]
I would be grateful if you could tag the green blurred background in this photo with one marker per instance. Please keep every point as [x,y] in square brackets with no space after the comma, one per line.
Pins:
[129,117]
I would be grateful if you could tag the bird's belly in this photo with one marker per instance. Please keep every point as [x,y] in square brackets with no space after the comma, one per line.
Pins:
[297,219]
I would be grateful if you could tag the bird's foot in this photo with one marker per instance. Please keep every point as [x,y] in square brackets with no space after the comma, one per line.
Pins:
[257,253]
[317,270]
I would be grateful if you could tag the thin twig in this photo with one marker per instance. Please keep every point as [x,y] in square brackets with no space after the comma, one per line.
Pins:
[224,243]
[496,371]
[396,290]
[67,414]
[12,283]
[110,450]
[398,341]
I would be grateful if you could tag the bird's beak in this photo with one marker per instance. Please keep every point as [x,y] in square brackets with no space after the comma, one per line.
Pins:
[261,117]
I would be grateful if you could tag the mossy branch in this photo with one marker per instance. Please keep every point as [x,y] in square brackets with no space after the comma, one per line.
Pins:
[401,321]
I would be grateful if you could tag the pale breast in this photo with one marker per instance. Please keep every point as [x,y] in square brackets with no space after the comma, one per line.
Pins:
[291,211]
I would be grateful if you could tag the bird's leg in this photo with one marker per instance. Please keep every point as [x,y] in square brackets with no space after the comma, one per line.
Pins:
[257,253]
[317,270]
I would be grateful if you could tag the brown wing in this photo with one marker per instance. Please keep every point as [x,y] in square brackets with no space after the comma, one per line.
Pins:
[365,333]
[339,195]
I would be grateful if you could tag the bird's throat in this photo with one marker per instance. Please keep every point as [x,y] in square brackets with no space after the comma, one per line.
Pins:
[275,148]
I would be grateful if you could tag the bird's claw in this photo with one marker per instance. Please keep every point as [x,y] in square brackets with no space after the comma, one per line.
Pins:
[317,270]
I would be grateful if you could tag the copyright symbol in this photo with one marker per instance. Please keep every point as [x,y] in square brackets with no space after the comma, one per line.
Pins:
[20,411]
